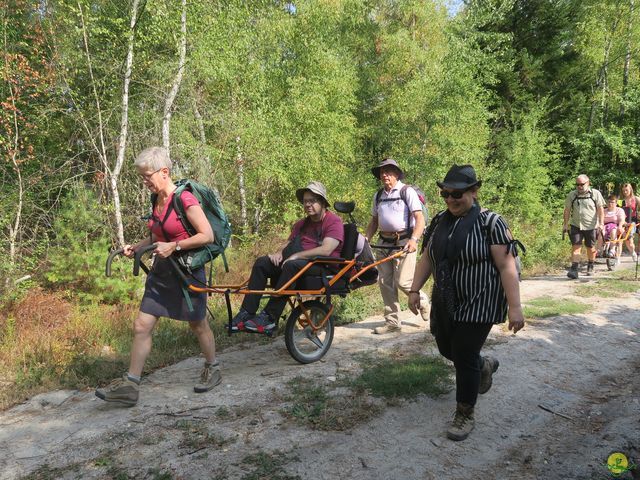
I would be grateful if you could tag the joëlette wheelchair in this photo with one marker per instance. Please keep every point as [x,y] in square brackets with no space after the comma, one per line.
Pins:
[310,325]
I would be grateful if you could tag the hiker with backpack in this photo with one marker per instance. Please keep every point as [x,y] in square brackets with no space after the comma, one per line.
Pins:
[471,253]
[583,219]
[319,233]
[397,216]
[164,295]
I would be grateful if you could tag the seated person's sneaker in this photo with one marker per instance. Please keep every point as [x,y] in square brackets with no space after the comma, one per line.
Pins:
[209,378]
[121,390]
[238,322]
[263,323]
[634,256]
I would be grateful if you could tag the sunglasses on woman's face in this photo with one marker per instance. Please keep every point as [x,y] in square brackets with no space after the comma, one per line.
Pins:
[457,194]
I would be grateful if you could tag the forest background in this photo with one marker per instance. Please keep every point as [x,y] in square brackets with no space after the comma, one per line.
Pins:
[257,98]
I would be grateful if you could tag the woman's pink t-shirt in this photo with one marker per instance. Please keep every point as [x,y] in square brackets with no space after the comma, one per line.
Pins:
[614,216]
[172,226]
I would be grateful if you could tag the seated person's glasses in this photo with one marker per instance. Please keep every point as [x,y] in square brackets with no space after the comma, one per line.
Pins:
[457,194]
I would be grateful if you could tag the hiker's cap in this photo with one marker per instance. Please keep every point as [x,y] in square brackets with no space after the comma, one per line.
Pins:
[460,177]
[316,188]
[385,163]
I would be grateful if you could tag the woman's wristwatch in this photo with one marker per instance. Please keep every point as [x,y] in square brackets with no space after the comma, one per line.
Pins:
[178,247]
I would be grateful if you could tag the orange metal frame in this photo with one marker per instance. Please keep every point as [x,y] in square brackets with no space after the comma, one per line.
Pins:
[347,265]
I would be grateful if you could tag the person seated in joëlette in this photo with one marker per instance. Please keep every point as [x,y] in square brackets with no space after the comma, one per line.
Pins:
[319,233]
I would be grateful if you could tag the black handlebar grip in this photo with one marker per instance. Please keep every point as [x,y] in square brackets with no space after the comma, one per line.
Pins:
[138,256]
[112,255]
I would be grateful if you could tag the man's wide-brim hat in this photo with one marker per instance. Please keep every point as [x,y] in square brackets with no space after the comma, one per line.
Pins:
[460,177]
[386,163]
[314,187]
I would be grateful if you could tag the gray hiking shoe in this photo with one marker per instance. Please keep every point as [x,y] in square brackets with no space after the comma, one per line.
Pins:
[209,378]
[121,390]
[489,367]
[237,323]
[572,273]
[262,323]
[462,424]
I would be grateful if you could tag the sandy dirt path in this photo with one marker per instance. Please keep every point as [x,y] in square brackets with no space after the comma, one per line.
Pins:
[566,396]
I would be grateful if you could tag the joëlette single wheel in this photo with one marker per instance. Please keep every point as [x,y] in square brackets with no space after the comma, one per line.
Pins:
[304,343]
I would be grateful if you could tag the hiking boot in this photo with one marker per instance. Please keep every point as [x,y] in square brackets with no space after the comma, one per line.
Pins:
[590,269]
[121,390]
[238,322]
[387,328]
[489,367]
[263,323]
[572,273]
[462,424]
[209,378]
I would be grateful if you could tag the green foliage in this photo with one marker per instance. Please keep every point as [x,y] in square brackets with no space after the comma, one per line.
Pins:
[79,251]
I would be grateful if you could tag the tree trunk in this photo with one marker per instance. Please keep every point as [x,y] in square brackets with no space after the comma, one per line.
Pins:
[627,62]
[243,193]
[113,173]
[15,228]
[124,125]
[173,93]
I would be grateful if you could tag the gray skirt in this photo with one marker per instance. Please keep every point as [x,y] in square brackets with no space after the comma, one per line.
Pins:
[164,295]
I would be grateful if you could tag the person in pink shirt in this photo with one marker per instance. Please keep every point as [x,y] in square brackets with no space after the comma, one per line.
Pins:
[163,293]
[320,233]
[630,205]
[614,220]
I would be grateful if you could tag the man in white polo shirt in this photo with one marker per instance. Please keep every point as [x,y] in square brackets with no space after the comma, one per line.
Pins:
[397,215]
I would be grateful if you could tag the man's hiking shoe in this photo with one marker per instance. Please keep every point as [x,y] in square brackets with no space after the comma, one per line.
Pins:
[388,328]
[121,390]
[462,424]
[489,367]
[590,270]
[572,273]
[209,378]
[238,322]
[262,323]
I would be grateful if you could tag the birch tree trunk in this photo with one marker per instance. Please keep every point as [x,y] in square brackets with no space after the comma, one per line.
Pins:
[113,173]
[124,124]
[627,61]
[243,193]
[168,104]
[15,228]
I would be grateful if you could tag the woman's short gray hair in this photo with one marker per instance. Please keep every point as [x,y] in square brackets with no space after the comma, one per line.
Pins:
[153,158]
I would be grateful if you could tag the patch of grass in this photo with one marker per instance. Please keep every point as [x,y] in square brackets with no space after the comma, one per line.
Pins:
[607,288]
[197,436]
[314,406]
[46,472]
[358,305]
[268,466]
[405,377]
[543,307]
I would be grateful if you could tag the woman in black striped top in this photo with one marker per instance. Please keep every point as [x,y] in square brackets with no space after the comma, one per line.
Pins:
[471,253]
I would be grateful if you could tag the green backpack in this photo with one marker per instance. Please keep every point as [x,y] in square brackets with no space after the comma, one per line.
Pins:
[197,258]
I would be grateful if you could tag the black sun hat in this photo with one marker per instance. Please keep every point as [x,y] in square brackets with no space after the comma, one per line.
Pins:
[460,177]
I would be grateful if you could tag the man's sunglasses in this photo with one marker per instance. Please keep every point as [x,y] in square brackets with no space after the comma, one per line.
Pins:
[457,194]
